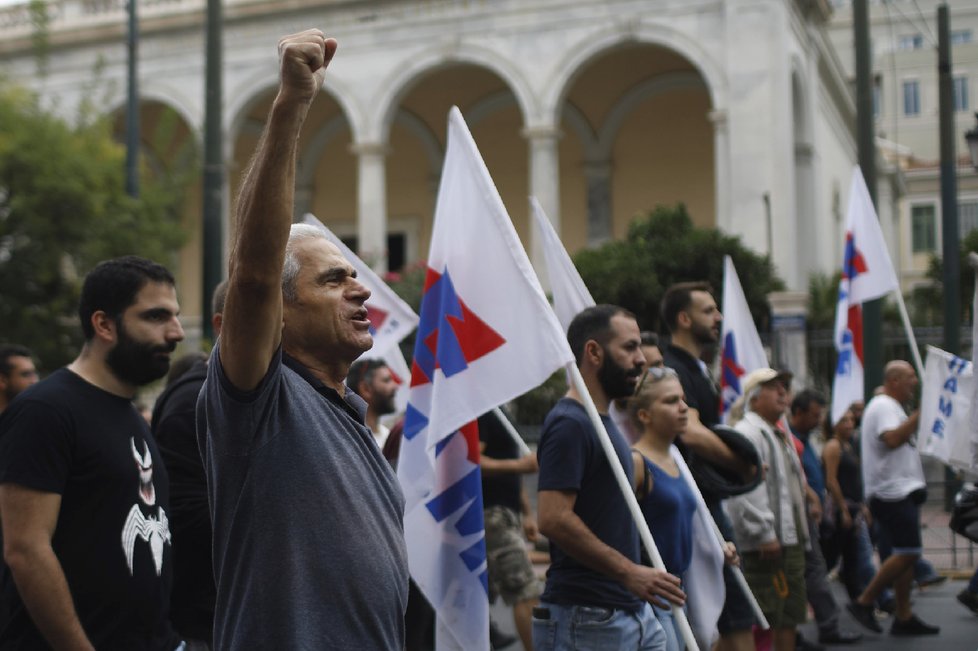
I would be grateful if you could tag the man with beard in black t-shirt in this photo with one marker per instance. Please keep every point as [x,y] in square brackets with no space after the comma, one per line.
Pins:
[84,496]
[691,314]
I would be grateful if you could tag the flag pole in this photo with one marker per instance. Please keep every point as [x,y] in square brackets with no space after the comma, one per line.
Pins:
[629,494]
[914,350]
[508,426]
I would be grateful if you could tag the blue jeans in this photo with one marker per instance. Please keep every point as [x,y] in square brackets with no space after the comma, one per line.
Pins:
[674,639]
[587,628]
[973,583]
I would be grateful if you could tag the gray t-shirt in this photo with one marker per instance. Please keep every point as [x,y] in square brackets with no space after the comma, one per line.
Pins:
[308,516]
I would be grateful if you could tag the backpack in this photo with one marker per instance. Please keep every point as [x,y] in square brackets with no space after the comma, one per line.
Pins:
[964,515]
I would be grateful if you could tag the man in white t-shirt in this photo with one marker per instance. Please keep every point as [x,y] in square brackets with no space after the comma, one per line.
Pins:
[893,481]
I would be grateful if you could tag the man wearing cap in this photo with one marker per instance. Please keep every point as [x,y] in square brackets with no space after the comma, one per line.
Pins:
[770,521]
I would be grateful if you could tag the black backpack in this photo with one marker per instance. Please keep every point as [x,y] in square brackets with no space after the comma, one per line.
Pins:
[964,515]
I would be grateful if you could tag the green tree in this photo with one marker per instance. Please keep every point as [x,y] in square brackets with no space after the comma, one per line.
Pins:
[928,301]
[63,208]
[663,248]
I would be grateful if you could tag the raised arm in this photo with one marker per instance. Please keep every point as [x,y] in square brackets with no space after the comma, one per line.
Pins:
[29,518]
[252,326]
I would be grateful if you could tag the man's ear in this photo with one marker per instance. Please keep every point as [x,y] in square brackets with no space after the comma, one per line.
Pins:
[104,326]
[363,390]
[593,352]
[683,319]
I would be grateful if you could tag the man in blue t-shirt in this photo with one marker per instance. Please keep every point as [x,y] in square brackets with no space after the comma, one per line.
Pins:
[596,585]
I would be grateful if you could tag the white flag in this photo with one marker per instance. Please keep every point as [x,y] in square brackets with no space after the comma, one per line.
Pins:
[945,431]
[487,335]
[570,294]
[741,348]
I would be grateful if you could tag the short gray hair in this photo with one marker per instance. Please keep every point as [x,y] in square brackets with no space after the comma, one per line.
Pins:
[290,270]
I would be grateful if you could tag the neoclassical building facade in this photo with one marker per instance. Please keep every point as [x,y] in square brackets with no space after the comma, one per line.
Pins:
[602,109]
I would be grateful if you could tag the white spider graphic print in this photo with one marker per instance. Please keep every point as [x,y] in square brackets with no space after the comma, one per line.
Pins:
[154,529]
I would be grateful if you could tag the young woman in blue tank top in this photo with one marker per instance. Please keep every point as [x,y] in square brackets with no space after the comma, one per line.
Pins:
[658,413]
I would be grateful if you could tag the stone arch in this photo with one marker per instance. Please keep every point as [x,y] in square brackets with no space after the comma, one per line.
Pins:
[167,95]
[638,94]
[592,46]
[251,90]
[396,87]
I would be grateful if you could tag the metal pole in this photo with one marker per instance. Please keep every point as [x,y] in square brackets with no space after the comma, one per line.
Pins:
[213,210]
[949,188]
[949,212]
[132,105]
[769,225]
[866,138]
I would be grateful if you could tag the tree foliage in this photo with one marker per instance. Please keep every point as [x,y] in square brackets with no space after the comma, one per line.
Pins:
[663,248]
[928,301]
[63,208]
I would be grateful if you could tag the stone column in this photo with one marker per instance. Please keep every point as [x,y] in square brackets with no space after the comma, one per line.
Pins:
[372,204]
[544,182]
[721,168]
[303,202]
[597,174]
[789,311]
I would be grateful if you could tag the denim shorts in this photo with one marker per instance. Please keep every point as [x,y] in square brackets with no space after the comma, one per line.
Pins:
[581,628]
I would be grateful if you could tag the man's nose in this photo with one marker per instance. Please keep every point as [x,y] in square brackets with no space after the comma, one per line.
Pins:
[175,332]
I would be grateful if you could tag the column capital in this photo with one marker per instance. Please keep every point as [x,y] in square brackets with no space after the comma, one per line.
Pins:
[369,148]
[788,303]
[539,132]
[597,168]
[719,118]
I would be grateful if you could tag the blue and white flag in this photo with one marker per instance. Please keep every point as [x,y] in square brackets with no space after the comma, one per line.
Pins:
[946,408]
[741,348]
[487,335]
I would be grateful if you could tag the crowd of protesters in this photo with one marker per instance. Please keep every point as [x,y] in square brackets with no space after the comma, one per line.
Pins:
[259,509]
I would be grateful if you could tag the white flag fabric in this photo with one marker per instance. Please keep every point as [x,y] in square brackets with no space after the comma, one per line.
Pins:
[570,294]
[867,274]
[391,319]
[703,580]
[741,349]
[486,336]
[945,430]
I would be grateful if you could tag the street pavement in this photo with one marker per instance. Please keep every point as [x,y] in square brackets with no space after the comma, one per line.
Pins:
[935,605]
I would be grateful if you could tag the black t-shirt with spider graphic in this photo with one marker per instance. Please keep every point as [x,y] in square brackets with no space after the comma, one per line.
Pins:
[112,537]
